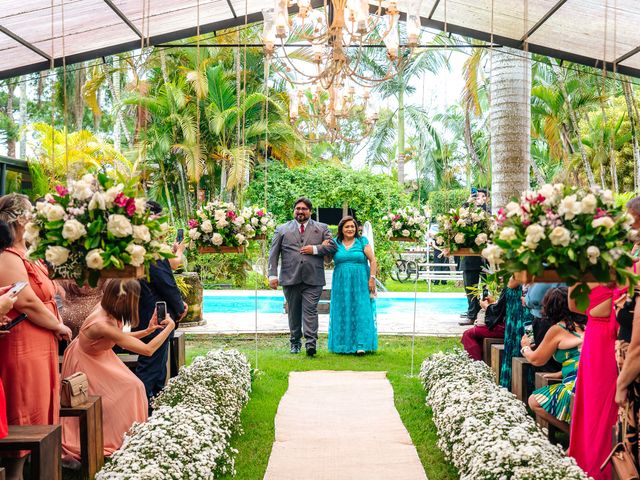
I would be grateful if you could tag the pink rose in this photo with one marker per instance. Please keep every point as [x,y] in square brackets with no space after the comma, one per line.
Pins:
[131,207]
[193,223]
[121,200]
[62,190]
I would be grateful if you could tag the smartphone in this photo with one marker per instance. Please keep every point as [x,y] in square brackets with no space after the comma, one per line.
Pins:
[17,288]
[161,310]
[180,235]
[14,322]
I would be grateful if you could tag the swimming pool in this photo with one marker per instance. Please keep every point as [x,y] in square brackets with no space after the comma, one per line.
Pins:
[384,305]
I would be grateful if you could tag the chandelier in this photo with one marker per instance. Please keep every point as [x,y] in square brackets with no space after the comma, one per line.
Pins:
[337,35]
[339,114]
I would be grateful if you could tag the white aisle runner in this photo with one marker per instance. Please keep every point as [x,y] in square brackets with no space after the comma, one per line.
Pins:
[341,425]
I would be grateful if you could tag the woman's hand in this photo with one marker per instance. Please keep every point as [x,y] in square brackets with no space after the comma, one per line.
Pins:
[372,285]
[153,324]
[525,341]
[168,323]
[6,300]
[63,332]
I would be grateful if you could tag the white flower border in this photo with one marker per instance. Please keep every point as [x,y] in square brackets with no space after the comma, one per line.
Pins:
[188,435]
[483,429]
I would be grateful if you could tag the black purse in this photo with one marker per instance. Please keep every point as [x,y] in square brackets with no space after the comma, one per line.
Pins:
[496,311]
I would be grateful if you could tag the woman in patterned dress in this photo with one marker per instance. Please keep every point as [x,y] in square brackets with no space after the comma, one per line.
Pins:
[563,341]
[516,316]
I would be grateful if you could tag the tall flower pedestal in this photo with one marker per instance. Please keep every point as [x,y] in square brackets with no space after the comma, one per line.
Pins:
[547,276]
[192,294]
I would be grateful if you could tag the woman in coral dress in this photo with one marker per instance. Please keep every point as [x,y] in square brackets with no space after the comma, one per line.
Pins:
[124,400]
[594,407]
[29,354]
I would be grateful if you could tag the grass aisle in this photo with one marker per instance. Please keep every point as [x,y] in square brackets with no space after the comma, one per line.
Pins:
[276,362]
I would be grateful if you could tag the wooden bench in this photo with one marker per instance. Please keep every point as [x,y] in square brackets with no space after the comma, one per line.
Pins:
[89,417]
[542,381]
[520,368]
[486,348]
[497,354]
[45,444]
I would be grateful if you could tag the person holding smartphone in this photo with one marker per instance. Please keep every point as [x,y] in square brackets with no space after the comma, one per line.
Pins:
[29,355]
[124,400]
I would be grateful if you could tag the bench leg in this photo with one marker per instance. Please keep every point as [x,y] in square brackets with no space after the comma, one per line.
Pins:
[45,460]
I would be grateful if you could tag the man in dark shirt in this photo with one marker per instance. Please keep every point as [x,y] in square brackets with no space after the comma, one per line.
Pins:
[159,287]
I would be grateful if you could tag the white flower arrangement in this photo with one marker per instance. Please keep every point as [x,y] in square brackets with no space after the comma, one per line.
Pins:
[407,222]
[483,429]
[218,224]
[257,221]
[465,227]
[188,435]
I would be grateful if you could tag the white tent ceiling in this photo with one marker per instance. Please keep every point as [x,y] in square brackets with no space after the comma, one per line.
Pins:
[583,31]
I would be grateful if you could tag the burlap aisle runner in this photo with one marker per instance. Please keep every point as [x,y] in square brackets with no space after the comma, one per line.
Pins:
[341,425]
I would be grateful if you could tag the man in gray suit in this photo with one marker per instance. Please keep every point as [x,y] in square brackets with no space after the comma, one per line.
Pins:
[301,245]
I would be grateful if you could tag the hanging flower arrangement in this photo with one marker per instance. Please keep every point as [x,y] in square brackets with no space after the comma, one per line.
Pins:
[561,233]
[464,230]
[406,224]
[218,228]
[259,223]
[92,228]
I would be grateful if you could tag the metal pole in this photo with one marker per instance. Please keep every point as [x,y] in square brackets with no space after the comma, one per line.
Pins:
[3,178]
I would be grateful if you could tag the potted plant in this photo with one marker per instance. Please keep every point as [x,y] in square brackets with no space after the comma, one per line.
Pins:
[406,224]
[563,234]
[259,223]
[464,231]
[94,228]
[218,228]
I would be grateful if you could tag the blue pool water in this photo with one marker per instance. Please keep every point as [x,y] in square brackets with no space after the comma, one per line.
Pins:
[386,305]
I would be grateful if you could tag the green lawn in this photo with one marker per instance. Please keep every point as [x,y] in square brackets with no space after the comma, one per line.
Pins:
[275,362]
[409,286]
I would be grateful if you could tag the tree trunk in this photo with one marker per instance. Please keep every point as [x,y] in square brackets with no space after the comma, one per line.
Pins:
[628,97]
[23,117]
[510,118]
[574,122]
[40,88]
[11,141]
[401,130]
[115,95]
[78,106]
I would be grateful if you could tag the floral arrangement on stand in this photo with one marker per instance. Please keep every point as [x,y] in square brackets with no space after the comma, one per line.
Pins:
[464,230]
[93,228]
[406,224]
[259,223]
[561,233]
[483,429]
[194,418]
[218,228]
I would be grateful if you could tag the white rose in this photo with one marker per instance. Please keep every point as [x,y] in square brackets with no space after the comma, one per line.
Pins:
[119,226]
[508,234]
[206,226]
[570,207]
[216,239]
[493,254]
[141,233]
[255,221]
[606,222]
[164,228]
[560,236]
[271,224]
[589,203]
[141,205]
[607,197]
[194,234]
[389,233]
[94,259]
[633,235]
[56,255]
[42,207]
[88,178]
[481,239]
[535,232]
[98,201]
[629,220]
[459,238]
[240,238]
[397,225]
[81,190]
[406,233]
[549,193]
[616,253]
[593,253]
[220,224]
[137,253]
[238,221]
[54,213]
[513,208]
[72,230]
[31,233]
[112,193]
[219,215]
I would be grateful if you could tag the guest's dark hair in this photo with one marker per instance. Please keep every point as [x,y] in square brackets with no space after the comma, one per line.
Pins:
[304,200]
[344,220]
[555,308]
[154,207]
[120,300]
[6,236]
[483,190]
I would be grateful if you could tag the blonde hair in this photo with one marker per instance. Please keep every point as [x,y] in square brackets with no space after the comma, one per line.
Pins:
[12,207]
[120,300]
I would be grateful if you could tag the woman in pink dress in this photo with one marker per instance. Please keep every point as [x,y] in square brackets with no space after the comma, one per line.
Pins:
[124,400]
[594,407]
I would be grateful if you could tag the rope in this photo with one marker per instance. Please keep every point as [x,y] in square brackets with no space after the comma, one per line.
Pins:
[64,94]
[53,93]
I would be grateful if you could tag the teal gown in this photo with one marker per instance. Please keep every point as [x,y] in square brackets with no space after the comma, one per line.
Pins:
[352,325]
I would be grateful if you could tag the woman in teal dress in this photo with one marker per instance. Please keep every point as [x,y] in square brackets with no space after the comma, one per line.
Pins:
[352,326]
[515,318]
[563,341]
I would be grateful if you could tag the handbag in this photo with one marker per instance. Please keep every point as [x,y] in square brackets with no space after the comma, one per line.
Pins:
[75,390]
[621,457]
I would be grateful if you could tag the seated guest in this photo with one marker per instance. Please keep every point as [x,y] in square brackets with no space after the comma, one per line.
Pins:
[123,395]
[493,326]
[77,303]
[514,320]
[533,301]
[562,341]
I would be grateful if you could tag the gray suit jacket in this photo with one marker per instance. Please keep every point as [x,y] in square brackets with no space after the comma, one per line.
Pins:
[295,267]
